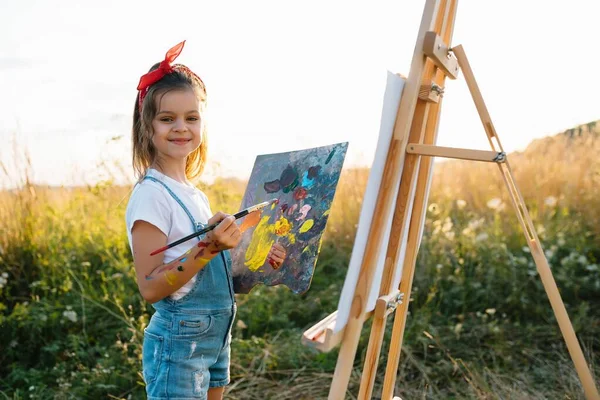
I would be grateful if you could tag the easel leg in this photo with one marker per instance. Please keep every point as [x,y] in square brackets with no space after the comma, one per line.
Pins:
[412,248]
[400,218]
[583,371]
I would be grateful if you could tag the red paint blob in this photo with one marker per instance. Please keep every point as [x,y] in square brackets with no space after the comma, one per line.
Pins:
[300,193]
[202,244]
[273,264]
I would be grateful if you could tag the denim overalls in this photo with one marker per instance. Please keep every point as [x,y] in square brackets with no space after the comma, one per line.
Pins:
[187,342]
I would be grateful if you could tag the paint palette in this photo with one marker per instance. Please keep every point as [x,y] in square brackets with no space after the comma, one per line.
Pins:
[304,182]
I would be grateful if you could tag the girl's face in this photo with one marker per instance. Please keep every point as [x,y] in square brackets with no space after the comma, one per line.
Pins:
[177,125]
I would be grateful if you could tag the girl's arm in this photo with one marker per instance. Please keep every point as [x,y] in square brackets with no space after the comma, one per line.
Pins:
[157,280]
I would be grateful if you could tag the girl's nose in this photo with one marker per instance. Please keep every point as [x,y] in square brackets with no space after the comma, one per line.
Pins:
[179,125]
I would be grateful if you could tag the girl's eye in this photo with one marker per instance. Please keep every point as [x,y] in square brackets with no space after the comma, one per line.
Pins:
[166,119]
[193,119]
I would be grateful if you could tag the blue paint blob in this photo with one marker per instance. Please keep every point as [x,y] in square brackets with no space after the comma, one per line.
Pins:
[306,181]
[183,259]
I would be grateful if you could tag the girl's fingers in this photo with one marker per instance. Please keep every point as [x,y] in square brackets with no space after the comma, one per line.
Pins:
[275,254]
[217,218]
[278,253]
[275,257]
[224,225]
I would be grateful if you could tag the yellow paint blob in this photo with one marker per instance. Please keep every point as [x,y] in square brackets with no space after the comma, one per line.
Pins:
[170,277]
[282,226]
[291,237]
[202,261]
[326,213]
[260,245]
[306,225]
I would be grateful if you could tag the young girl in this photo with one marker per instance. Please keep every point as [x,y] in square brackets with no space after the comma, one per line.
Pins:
[187,342]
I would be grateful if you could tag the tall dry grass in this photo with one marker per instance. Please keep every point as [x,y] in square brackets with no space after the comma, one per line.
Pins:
[479,325]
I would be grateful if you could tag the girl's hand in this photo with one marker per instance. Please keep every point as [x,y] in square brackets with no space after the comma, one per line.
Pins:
[227,234]
[276,255]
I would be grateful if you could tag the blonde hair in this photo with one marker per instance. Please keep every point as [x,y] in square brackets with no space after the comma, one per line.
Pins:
[144,153]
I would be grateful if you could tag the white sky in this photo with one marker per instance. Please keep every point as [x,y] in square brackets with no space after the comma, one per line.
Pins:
[281,75]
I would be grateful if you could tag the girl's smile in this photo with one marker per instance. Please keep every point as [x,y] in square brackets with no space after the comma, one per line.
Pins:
[180,142]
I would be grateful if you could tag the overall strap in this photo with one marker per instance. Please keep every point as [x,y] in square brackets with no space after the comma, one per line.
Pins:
[195,226]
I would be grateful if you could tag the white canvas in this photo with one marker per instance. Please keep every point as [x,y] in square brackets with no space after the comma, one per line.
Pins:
[391,101]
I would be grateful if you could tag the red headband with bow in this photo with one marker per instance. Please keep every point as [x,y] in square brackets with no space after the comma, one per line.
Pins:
[164,68]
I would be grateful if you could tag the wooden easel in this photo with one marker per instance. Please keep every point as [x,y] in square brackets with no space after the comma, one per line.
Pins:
[409,159]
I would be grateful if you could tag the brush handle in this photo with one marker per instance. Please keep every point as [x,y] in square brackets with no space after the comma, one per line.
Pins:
[209,228]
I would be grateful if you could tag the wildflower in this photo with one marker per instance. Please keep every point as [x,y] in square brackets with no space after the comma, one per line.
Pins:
[490,311]
[592,267]
[4,275]
[70,315]
[447,227]
[549,253]
[241,325]
[540,230]
[495,204]
[475,224]
[460,203]
[86,264]
[458,328]
[116,275]
[582,259]
[550,201]
[434,209]
[522,260]
[481,237]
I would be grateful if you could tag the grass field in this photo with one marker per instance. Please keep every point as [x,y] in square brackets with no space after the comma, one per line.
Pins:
[480,325]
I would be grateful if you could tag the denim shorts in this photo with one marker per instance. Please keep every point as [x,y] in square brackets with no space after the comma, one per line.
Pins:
[185,354]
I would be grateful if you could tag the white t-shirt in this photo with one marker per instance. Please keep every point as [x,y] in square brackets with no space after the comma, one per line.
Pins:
[151,202]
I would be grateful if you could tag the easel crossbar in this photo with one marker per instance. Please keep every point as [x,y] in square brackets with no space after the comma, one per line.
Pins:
[452,152]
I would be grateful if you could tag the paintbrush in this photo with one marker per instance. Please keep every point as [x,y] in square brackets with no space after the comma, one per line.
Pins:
[209,228]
